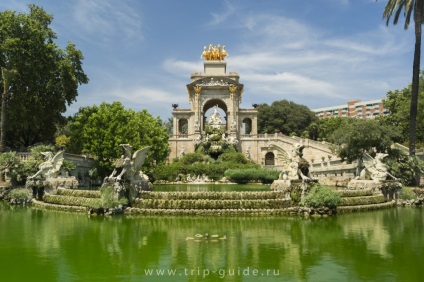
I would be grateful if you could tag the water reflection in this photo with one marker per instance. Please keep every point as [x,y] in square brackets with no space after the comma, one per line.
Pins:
[382,245]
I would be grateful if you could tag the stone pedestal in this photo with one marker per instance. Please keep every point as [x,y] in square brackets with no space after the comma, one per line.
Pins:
[125,188]
[389,188]
[282,185]
[50,185]
[294,189]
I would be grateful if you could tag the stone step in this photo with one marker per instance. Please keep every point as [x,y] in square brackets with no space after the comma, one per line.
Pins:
[359,208]
[355,193]
[213,212]
[208,204]
[71,201]
[233,195]
[78,193]
[363,200]
[50,206]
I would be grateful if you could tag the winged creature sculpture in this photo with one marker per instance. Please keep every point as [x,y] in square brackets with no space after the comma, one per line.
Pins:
[50,168]
[128,166]
[295,165]
[374,168]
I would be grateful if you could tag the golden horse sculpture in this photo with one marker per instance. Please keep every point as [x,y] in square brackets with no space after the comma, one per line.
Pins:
[214,53]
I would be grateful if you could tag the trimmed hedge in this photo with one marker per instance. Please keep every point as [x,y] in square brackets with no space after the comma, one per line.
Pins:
[214,171]
[211,195]
[242,176]
[79,193]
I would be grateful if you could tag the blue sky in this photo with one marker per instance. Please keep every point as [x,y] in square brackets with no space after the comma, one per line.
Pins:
[317,53]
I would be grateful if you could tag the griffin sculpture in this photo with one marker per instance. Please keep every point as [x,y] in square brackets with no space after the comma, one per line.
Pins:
[50,168]
[128,166]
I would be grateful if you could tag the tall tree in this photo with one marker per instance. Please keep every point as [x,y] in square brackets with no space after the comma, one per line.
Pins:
[358,136]
[48,76]
[98,131]
[416,8]
[397,102]
[284,116]
[6,76]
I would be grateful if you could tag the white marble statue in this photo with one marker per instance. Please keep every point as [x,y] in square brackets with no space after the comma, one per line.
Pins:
[374,168]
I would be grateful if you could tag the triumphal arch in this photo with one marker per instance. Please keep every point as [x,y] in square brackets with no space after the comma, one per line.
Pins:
[215,120]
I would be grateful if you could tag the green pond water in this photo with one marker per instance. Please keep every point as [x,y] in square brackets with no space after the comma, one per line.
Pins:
[45,245]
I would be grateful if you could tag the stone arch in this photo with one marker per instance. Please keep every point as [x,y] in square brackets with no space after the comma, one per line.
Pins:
[247,126]
[209,104]
[212,103]
[269,158]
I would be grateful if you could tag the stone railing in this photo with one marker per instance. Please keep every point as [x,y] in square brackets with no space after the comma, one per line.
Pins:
[322,146]
[334,173]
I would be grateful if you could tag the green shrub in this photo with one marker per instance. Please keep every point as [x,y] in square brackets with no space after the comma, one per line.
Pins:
[11,162]
[20,194]
[233,157]
[251,174]
[407,193]
[215,171]
[192,158]
[68,166]
[108,199]
[322,196]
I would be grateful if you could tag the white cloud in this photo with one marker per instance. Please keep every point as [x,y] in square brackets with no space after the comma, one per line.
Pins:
[181,68]
[221,17]
[113,22]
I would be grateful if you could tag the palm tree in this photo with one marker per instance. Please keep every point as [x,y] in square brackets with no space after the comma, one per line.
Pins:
[416,7]
[7,76]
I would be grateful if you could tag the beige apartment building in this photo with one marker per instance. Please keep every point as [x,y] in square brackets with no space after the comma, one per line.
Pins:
[355,108]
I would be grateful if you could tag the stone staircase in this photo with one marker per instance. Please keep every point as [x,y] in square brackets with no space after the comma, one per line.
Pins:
[208,203]
[70,200]
[362,200]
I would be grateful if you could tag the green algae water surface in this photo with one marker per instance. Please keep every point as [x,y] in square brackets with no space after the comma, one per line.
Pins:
[44,245]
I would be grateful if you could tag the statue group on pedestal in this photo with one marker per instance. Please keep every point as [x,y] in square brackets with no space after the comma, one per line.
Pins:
[214,53]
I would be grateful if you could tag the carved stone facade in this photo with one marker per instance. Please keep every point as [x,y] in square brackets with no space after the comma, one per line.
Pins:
[217,88]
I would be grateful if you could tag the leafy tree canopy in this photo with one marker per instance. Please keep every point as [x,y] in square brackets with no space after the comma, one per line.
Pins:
[361,135]
[284,116]
[99,130]
[398,103]
[326,126]
[47,76]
